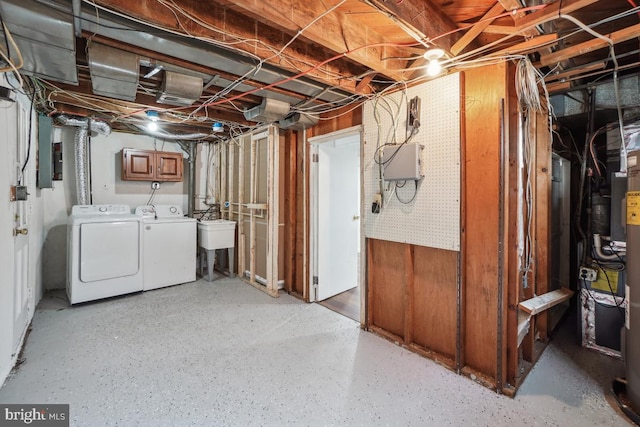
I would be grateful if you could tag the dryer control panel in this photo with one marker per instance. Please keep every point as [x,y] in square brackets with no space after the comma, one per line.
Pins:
[79,210]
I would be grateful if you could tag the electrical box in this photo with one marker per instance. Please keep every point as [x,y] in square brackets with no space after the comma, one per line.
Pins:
[402,162]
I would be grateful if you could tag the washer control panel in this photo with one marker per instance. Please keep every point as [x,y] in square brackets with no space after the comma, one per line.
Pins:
[80,210]
[169,211]
[160,211]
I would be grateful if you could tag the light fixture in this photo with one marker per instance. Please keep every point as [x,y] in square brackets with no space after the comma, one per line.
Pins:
[154,117]
[433,55]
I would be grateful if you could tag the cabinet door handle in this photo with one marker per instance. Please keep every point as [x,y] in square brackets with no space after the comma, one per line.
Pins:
[150,169]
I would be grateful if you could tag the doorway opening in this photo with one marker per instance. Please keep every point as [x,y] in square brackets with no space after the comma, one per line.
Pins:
[336,227]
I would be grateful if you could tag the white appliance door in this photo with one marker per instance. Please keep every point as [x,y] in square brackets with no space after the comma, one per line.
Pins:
[338,216]
[169,254]
[109,250]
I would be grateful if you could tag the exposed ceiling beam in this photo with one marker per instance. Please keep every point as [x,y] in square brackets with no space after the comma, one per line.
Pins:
[425,19]
[478,28]
[232,29]
[590,45]
[551,12]
[532,45]
[575,72]
[335,31]
[500,29]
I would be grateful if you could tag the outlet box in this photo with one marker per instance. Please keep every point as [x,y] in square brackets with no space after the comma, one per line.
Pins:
[588,274]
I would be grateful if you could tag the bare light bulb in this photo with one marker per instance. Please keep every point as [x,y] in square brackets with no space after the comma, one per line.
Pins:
[152,126]
[433,55]
[434,68]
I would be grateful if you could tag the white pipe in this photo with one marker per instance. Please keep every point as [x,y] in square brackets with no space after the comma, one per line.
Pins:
[597,244]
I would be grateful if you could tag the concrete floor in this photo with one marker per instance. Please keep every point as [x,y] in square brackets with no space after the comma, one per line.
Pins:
[224,353]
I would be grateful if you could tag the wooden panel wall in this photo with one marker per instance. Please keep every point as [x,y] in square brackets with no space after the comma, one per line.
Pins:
[434,300]
[412,295]
[485,90]
[387,282]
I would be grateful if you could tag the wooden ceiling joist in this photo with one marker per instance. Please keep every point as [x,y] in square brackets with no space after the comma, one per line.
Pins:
[423,18]
[335,31]
[590,45]
[478,28]
[532,45]
[574,72]
[551,12]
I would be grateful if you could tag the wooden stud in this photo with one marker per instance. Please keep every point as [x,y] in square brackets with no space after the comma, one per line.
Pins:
[543,182]
[273,205]
[252,212]
[242,242]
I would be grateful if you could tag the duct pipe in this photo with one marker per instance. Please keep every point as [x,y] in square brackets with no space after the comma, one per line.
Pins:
[632,321]
[172,136]
[82,126]
[98,126]
[80,155]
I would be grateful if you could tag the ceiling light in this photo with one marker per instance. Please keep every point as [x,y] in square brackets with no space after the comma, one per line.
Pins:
[433,55]
[154,117]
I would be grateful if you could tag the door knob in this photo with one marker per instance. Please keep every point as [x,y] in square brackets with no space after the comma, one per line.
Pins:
[22,231]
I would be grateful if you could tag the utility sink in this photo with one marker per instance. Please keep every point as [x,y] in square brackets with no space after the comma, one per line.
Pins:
[216,234]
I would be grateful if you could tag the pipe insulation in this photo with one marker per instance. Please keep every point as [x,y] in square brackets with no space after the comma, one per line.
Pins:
[81,160]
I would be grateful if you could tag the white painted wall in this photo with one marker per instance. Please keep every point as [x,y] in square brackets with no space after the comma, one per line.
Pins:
[107,188]
[8,142]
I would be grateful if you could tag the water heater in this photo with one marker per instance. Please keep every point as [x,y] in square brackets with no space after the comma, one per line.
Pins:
[632,322]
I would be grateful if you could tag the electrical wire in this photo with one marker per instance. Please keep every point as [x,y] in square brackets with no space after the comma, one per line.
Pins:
[415,192]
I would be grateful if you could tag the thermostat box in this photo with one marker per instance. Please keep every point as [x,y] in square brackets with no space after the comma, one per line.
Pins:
[402,162]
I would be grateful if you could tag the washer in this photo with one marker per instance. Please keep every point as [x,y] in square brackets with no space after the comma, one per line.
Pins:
[103,255]
[169,246]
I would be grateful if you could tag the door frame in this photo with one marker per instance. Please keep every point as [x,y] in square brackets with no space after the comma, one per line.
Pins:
[315,143]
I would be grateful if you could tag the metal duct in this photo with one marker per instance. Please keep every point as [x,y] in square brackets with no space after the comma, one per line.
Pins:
[80,151]
[268,111]
[114,72]
[179,89]
[45,36]
[632,323]
[174,136]
[80,155]
[299,121]
[97,126]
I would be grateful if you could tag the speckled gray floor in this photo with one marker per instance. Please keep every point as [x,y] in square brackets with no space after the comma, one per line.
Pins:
[223,353]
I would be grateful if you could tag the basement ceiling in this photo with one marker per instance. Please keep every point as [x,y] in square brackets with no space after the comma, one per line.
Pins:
[315,57]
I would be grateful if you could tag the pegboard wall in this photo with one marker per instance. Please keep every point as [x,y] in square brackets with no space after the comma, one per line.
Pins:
[432,218]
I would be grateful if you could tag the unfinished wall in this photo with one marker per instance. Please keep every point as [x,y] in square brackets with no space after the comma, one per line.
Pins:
[461,308]
[429,214]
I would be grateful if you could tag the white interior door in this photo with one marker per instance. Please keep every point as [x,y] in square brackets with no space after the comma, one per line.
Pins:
[21,211]
[337,213]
